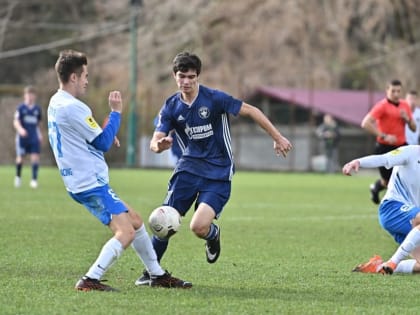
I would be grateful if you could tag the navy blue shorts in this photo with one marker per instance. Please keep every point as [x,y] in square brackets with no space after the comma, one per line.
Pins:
[24,146]
[395,217]
[102,202]
[185,188]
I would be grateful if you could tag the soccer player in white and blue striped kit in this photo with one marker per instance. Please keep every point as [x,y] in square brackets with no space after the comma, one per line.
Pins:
[198,117]
[399,210]
[79,143]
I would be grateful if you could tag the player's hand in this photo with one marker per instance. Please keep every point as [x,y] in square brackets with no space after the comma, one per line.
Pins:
[23,133]
[282,146]
[404,115]
[115,101]
[117,142]
[351,166]
[164,143]
[391,139]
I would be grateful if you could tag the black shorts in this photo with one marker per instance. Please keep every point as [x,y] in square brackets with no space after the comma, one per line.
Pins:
[381,149]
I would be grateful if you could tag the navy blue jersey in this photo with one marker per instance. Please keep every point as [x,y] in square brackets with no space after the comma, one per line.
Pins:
[202,131]
[29,118]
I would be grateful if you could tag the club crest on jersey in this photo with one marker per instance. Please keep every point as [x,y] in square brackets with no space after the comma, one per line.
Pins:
[91,122]
[203,112]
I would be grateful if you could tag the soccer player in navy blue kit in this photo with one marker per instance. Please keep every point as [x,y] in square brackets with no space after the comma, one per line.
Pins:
[27,123]
[198,117]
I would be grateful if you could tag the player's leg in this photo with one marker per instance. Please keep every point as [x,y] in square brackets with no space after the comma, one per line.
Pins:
[182,191]
[404,224]
[202,222]
[35,168]
[210,202]
[203,227]
[34,150]
[183,186]
[154,275]
[395,217]
[141,242]
[129,229]
[20,152]
[105,206]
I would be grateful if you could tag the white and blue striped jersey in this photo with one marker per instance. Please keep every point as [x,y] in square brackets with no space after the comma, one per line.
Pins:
[404,184]
[71,129]
[203,132]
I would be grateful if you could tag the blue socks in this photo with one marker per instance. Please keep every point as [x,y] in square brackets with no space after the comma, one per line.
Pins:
[19,169]
[214,229]
[35,171]
[160,246]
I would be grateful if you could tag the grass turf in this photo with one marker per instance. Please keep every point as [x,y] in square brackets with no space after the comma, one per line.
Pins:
[289,242]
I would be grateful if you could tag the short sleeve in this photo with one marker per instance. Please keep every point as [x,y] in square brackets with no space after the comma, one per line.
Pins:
[164,121]
[377,111]
[401,156]
[229,104]
[80,118]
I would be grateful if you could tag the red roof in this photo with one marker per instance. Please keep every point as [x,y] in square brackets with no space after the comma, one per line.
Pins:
[347,105]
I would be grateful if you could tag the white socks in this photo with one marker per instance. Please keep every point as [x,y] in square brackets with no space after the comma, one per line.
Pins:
[144,249]
[108,255]
[406,266]
[411,241]
[113,249]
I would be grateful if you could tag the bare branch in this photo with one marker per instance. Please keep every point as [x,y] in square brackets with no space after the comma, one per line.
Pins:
[5,21]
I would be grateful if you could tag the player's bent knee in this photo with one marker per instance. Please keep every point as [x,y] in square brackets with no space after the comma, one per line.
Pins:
[199,229]
[136,220]
[125,236]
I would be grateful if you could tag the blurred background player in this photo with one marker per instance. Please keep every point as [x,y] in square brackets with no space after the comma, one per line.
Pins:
[27,123]
[399,211]
[329,133]
[198,117]
[387,120]
[412,137]
[78,144]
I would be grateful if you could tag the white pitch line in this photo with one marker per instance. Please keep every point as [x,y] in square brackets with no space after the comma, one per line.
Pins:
[304,218]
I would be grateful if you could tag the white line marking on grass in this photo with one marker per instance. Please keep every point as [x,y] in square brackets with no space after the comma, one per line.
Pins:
[306,218]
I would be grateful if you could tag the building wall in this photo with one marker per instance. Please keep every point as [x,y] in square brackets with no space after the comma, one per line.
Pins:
[253,149]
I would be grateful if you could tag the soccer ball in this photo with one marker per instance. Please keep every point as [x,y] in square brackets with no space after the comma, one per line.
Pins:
[164,221]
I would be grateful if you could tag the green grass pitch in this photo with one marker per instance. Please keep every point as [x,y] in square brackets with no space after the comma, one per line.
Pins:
[289,242]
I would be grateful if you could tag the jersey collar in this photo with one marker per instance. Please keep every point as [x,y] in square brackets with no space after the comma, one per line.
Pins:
[192,102]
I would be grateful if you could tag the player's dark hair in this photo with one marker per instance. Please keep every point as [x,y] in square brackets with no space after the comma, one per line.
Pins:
[395,82]
[185,61]
[68,62]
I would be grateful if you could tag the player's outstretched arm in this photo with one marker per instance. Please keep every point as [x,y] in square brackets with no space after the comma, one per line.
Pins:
[160,142]
[281,144]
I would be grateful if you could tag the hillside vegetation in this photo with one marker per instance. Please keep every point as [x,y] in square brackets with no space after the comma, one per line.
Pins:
[325,44]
